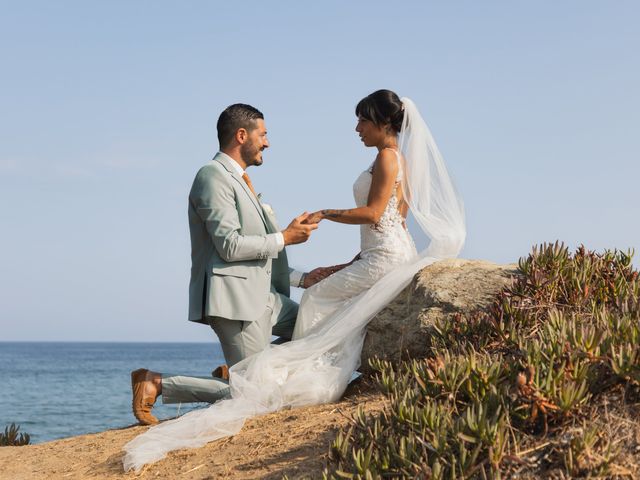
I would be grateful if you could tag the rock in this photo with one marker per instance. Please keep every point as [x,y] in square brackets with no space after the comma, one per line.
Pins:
[439,291]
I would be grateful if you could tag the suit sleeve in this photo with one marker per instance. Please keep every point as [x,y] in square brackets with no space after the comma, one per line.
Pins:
[294,277]
[213,198]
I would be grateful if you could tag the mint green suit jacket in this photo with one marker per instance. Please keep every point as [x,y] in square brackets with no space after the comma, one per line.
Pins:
[234,250]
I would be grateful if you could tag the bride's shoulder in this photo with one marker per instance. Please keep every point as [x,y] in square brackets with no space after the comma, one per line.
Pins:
[386,160]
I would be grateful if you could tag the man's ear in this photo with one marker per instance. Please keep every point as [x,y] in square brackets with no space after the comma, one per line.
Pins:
[241,135]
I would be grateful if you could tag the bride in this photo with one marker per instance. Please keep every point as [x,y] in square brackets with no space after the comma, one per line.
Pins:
[381,211]
[408,174]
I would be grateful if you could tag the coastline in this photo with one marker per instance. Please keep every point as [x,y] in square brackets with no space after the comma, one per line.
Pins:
[54,390]
[294,442]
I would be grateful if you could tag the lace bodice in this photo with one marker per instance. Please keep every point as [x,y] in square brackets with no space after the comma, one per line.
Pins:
[383,247]
[390,231]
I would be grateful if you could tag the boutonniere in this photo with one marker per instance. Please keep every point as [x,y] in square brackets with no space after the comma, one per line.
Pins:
[265,206]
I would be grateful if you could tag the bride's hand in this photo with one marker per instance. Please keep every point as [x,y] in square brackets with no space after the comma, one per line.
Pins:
[315,217]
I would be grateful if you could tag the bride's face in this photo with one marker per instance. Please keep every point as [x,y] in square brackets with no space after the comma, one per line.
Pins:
[370,134]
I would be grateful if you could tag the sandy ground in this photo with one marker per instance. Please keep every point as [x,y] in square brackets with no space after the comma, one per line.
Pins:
[291,442]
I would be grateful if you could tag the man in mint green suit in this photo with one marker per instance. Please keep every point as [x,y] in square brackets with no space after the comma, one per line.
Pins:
[240,277]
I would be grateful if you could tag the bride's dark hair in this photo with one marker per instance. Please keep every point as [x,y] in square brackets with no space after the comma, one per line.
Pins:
[382,107]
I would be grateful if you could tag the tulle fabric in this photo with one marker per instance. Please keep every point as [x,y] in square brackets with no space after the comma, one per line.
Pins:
[316,368]
[427,186]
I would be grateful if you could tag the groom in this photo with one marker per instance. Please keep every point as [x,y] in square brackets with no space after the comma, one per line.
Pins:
[240,277]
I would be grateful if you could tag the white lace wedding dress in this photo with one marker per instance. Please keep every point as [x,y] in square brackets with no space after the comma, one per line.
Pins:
[316,366]
[383,247]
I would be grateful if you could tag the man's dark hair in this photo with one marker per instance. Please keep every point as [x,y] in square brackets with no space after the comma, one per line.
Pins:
[234,117]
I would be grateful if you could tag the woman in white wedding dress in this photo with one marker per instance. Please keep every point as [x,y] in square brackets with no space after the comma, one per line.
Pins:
[315,367]
[381,212]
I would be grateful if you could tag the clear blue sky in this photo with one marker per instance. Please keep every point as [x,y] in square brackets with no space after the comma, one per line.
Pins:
[109,109]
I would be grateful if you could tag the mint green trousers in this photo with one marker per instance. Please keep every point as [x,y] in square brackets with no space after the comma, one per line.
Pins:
[239,340]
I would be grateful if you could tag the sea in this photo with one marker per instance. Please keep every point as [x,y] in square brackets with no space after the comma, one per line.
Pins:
[62,389]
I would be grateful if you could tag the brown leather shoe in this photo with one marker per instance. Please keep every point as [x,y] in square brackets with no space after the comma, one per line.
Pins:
[140,404]
[221,372]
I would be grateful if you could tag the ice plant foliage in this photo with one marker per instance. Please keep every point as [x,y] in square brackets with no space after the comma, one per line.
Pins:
[498,382]
[11,438]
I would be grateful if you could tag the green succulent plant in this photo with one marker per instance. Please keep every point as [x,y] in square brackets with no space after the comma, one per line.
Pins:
[12,438]
[565,331]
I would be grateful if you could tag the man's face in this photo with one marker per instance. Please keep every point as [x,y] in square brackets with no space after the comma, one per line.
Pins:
[255,143]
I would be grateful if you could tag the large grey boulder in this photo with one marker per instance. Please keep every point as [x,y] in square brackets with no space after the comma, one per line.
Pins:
[440,291]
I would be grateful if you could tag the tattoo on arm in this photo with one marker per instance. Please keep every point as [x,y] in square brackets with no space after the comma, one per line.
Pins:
[336,213]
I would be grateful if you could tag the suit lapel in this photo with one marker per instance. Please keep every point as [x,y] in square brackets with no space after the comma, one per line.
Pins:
[225,161]
[271,225]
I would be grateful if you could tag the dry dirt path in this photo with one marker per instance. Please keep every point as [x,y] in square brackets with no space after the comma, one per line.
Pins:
[291,442]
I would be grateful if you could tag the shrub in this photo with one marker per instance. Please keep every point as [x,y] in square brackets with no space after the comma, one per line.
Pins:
[10,437]
[564,332]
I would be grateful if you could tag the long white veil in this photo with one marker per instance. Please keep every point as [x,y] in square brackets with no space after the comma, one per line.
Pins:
[317,368]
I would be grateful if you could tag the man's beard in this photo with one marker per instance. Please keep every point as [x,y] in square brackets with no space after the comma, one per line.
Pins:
[250,155]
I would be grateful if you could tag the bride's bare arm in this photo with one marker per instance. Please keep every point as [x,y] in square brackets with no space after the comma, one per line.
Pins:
[385,170]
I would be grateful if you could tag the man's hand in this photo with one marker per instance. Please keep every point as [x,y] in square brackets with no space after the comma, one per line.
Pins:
[314,276]
[320,273]
[297,231]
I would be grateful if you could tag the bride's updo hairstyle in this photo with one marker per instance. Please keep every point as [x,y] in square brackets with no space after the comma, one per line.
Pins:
[382,107]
